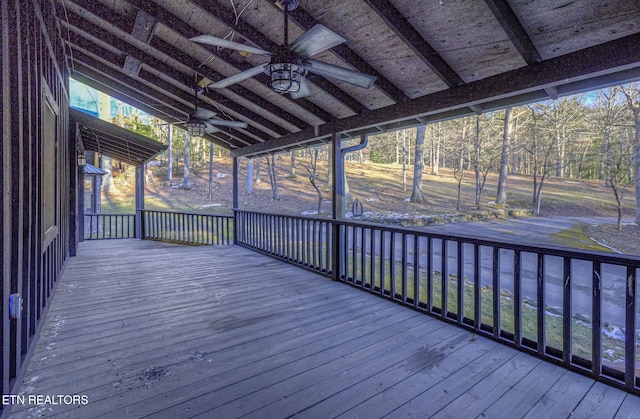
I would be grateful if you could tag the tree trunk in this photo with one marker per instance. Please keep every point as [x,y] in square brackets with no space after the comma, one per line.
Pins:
[186,180]
[504,161]
[329,183]
[417,195]
[636,160]
[435,150]
[273,179]
[211,153]
[293,164]
[249,185]
[169,156]
[477,148]
[404,160]
[635,109]
[107,179]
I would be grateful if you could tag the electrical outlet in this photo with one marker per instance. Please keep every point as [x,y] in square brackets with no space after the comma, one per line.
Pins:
[15,306]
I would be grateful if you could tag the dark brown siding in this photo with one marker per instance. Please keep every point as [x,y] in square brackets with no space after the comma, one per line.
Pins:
[37,173]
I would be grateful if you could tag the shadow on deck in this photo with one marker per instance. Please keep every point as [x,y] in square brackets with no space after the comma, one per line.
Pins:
[144,328]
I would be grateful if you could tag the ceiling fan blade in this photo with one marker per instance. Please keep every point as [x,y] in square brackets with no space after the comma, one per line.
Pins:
[247,74]
[223,43]
[203,114]
[315,40]
[227,123]
[210,129]
[339,73]
[304,90]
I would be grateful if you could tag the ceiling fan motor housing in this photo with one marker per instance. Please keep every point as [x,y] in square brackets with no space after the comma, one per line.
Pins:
[289,4]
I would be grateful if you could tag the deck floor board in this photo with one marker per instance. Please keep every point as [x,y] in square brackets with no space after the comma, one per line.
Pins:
[150,329]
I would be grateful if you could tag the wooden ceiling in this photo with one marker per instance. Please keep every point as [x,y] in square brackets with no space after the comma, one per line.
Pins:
[432,59]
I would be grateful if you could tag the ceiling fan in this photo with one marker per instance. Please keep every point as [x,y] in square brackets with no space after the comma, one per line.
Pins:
[290,63]
[202,121]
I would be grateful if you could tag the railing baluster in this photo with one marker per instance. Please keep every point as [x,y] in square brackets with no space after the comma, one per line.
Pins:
[596,327]
[461,301]
[416,271]
[566,311]
[630,330]
[382,261]
[430,254]
[542,336]
[477,288]
[444,306]
[392,265]
[517,312]
[496,292]
[404,267]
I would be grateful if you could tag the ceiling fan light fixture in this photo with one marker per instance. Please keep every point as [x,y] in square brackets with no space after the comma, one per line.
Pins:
[286,77]
[195,128]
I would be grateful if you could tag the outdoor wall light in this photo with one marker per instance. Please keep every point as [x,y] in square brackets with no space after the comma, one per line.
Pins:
[82,158]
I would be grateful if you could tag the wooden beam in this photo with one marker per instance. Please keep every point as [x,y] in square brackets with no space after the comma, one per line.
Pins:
[403,29]
[593,64]
[514,30]
[142,31]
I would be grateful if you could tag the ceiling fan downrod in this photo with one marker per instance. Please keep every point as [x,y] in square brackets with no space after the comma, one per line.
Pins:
[287,5]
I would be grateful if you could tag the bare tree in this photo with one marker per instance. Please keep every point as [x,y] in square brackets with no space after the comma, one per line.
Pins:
[273,178]
[632,94]
[249,184]
[169,156]
[483,162]
[417,195]
[501,198]
[186,179]
[404,160]
[540,148]
[312,171]
[258,180]
[435,148]
[620,159]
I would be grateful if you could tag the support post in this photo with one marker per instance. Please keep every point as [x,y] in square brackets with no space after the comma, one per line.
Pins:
[75,178]
[80,192]
[234,170]
[337,202]
[139,201]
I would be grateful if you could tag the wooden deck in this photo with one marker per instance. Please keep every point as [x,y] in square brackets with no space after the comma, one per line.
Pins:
[144,328]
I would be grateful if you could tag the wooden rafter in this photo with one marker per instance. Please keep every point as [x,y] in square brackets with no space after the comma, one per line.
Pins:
[403,29]
[513,28]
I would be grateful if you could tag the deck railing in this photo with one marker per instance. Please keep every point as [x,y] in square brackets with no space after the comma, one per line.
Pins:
[98,226]
[575,308]
[187,228]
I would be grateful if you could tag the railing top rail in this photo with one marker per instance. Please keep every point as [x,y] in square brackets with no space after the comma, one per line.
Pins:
[109,214]
[590,255]
[188,213]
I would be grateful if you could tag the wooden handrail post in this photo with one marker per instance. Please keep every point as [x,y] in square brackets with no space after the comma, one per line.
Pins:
[139,198]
